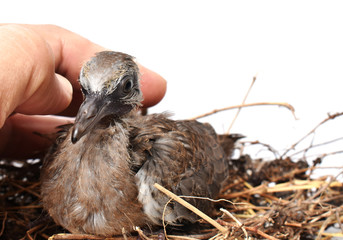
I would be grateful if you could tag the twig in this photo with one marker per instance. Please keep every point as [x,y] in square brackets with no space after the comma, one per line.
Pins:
[269,147]
[3,224]
[330,117]
[141,233]
[324,226]
[323,188]
[190,237]
[240,225]
[316,145]
[124,233]
[339,220]
[259,232]
[280,104]
[163,217]
[256,190]
[27,189]
[75,236]
[197,197]
[332,235]
[191,207]
[243,102]
[331,153]
[28,233]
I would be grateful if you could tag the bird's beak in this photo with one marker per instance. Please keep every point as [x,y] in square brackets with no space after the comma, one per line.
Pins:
[93,109]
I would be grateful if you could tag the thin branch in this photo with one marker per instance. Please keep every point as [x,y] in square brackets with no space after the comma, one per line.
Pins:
[32,230]
[338,220]
[240,225]
[269,147]
[75,236]
[259,232]
[141,233]
[316,145]
[324,226]
[330,117]
[27,189]
[192,208]
[280,104]
[3,224]
[243,102]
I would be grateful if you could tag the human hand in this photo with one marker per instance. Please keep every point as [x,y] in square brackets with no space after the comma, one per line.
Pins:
[39,68]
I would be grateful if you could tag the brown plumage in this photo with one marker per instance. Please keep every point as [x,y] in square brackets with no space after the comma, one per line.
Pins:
[98,178]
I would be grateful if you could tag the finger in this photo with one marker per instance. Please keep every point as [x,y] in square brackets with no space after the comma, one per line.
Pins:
[71,51]
[153,86]
[41,103]
[28,81]
[24,136]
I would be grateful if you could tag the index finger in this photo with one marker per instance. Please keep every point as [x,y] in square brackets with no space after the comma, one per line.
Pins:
[71,51]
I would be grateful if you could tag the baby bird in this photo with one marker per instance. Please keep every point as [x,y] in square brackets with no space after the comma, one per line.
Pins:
[98,177]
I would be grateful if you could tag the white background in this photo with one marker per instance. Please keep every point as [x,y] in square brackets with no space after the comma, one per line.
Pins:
[209,52]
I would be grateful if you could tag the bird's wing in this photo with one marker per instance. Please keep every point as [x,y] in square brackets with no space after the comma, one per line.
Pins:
[183,156]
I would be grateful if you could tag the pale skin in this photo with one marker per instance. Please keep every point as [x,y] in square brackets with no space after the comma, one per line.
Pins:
[39,68]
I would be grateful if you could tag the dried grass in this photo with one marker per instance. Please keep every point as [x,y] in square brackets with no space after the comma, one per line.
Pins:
[278,199]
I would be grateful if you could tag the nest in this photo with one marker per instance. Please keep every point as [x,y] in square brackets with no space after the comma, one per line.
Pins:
[275,199]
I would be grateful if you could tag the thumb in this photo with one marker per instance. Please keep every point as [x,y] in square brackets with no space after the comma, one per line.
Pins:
[29,84]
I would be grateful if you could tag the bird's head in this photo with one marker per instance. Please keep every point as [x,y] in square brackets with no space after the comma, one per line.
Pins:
[110,85]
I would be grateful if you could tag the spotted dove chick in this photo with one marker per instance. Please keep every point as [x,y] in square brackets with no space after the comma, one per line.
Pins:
[98,178]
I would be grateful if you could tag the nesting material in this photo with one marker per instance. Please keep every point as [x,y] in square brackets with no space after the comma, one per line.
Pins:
[278,199]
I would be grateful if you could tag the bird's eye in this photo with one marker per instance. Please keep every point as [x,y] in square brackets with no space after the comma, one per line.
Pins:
[127,84]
